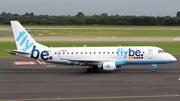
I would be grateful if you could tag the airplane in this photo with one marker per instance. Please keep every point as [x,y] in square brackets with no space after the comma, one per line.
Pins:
[97,58]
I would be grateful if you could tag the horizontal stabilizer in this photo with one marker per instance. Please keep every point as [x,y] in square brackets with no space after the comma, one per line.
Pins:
[14,52]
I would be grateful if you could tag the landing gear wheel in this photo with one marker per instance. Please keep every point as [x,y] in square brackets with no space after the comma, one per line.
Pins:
[153,70]
[94,68]
[89,70]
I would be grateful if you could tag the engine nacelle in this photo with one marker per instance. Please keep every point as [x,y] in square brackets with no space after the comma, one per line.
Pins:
[109,66]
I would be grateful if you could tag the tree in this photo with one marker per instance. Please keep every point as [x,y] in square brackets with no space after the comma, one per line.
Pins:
[178,14]
[80,14]
[26,14]
[169,21]
[31,14]
[104,15]
[81,19]
[3,14]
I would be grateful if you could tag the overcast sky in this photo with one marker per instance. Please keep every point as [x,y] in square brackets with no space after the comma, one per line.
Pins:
[90,7]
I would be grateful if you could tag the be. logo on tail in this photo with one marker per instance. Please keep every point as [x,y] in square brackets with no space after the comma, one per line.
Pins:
[36,53]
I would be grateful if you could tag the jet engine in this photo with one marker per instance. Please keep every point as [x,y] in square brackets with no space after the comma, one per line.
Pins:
[109,66]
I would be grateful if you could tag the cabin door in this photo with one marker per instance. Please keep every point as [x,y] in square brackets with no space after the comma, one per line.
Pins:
[150,54]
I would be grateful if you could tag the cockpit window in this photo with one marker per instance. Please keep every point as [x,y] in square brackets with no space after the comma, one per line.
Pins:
[162,51]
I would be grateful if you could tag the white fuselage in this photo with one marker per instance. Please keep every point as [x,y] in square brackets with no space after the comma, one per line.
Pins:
[119,55]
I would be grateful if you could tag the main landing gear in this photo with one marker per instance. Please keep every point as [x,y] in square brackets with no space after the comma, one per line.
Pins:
[92,69]
[154,68]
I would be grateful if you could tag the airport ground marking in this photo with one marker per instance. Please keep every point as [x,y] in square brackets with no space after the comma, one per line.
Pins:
[24,62]
[90,98]
[41,62]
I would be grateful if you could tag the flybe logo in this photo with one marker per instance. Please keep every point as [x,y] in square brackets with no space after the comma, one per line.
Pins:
[24,41]
[129,53]
[26,44]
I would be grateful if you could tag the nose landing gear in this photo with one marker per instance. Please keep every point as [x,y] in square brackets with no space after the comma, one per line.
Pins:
[154,68]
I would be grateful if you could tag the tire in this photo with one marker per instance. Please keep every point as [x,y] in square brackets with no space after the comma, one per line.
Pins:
[89,70]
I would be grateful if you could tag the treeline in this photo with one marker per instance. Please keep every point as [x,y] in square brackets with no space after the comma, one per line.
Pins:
[81,19]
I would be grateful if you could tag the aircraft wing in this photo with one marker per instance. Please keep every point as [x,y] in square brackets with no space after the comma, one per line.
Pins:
[90,61]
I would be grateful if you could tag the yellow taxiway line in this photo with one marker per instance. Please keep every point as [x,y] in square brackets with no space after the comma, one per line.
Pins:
[41,62]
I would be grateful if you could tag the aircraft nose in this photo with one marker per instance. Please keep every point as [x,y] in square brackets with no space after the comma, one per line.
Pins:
[173,59]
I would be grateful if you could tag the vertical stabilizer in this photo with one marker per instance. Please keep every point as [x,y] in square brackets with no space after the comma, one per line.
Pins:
[24,41]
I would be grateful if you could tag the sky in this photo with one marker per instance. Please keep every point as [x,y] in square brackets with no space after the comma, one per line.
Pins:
[91,7]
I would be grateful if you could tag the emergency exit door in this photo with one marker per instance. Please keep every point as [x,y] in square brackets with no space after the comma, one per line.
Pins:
[150,54]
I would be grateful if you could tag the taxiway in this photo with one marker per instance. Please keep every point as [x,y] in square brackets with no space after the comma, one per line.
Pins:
[49,82]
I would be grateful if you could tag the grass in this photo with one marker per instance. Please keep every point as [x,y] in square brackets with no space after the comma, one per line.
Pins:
[115,33]
[98,31]
[108,31]
[171,47]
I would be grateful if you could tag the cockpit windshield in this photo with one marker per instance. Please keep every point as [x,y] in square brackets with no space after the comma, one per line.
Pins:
[162,51]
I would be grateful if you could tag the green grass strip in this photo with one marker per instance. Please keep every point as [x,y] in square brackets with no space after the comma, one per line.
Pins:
[97,31]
